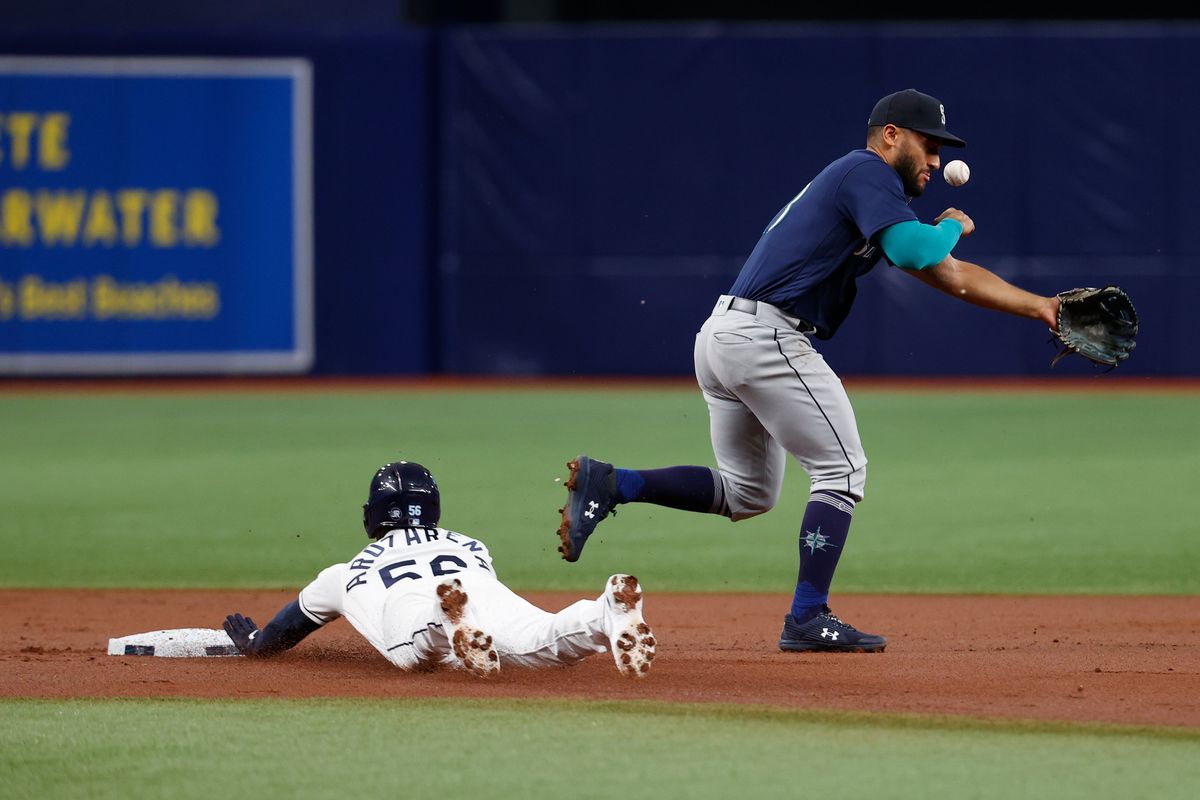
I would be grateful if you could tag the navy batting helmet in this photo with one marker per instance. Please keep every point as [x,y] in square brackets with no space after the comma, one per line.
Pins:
[403,495]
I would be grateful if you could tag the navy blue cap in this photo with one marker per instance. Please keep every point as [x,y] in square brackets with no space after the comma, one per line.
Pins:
[916,111]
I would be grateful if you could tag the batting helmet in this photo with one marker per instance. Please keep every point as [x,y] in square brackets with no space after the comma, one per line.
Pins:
[403,495]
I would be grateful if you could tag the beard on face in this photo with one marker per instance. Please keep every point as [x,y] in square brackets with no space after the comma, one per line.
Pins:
[910,175]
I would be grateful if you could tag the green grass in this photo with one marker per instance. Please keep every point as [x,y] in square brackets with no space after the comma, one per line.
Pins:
[445,748]
[967,492]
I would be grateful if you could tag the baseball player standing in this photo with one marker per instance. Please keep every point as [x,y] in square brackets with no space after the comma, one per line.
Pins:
[421,594]
[769,392]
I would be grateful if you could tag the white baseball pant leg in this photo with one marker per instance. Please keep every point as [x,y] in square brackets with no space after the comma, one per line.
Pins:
[527,636]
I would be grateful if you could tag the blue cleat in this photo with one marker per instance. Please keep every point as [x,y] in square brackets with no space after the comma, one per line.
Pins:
[591,496]
[826,633]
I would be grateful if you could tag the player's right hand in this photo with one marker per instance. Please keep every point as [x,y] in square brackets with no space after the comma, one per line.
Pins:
[242,631]
[968,225]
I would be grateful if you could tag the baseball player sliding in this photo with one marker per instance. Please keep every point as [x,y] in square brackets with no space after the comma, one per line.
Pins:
[421,594]
[769,392]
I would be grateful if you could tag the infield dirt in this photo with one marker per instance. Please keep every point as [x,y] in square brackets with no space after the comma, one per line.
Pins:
[1128,660]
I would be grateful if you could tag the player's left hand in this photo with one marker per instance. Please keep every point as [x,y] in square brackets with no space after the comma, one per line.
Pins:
[242,631]
[1099,324]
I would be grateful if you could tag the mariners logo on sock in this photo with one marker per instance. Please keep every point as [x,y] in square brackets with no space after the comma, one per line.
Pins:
[815,540]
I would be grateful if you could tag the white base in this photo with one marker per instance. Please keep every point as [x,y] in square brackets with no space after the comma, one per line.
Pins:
[175,643]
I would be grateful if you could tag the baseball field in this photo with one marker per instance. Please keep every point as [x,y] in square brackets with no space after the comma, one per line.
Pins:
[1030,550]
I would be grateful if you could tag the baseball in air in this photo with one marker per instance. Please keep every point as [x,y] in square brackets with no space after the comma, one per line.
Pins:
[956,173]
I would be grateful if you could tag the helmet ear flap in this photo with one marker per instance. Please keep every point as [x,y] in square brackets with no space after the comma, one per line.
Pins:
[366,523]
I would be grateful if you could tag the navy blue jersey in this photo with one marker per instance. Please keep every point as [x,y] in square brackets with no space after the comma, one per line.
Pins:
[811,254]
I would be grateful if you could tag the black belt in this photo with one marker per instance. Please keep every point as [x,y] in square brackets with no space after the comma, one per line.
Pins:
[751,307]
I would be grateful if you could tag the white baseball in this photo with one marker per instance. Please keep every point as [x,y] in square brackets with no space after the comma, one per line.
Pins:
[956,173]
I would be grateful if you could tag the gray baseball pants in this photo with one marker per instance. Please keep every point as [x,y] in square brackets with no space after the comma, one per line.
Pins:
[770,393]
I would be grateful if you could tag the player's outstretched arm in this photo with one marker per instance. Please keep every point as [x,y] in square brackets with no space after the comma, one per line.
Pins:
[982,287]
[285,631]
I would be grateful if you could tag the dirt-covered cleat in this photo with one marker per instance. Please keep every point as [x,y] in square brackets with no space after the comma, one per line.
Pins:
[472,646]
[630,638]
[591,496]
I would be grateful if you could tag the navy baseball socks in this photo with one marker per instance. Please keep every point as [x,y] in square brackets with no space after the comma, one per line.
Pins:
[595,488]
[811,626]
[685,488]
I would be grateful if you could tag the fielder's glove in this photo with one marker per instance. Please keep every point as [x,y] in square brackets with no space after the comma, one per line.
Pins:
[242,631]
[1098,324]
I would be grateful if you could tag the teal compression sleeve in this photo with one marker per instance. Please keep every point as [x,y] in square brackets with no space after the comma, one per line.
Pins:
[914,245]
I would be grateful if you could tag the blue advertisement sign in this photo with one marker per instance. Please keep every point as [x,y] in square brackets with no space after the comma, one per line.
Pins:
[155,215]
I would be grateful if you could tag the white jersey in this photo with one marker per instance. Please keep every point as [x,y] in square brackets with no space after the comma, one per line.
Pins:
[386,591]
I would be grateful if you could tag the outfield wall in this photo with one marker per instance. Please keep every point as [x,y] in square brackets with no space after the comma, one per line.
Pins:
[542,200]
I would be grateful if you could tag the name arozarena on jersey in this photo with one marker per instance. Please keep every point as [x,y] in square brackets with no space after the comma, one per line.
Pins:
[418,541]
